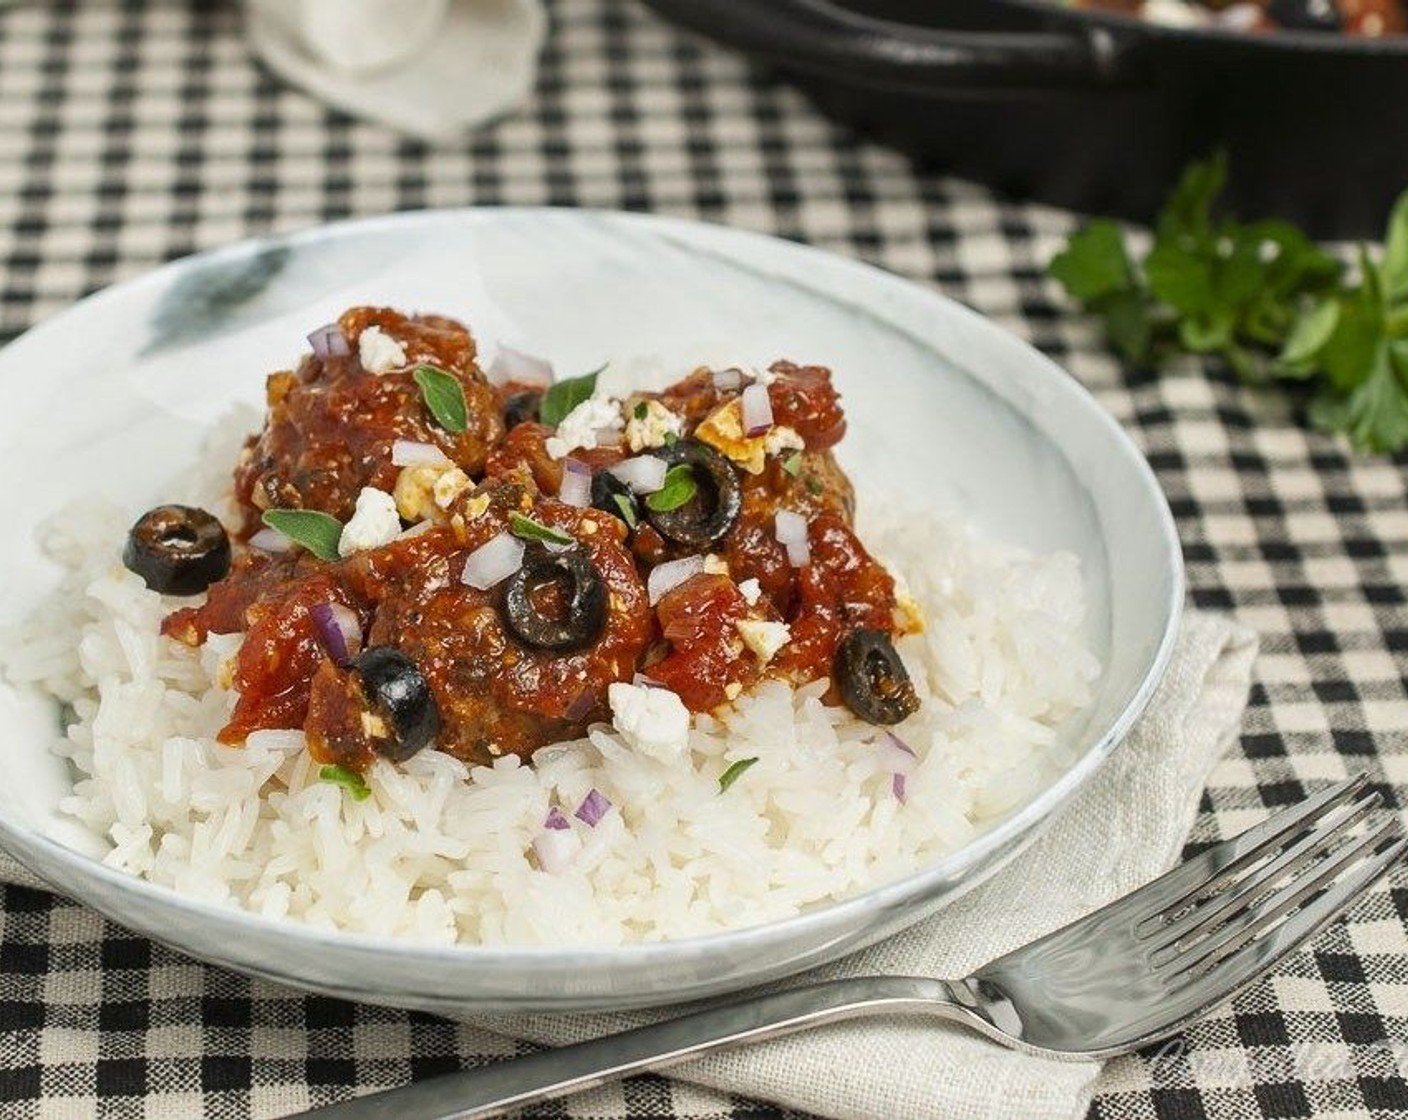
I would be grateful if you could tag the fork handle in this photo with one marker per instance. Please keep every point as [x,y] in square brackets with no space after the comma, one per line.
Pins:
[474,1093]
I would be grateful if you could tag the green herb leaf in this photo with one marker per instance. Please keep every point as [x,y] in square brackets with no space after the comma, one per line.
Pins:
[640,412]
[1395,266]
[1310,333]
[734,772]
[679,488]
[529,530]
[793,463]
[350,780]
[671,439]
[1188,212]
[317,532]
[1261,297]
[1377,417]
[444,396]
[1094,264]
[1129,325]
[627,508]
[563,396]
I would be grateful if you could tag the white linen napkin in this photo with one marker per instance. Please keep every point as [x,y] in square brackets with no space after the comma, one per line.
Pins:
[1124,828]
[430,68]
[1128,825]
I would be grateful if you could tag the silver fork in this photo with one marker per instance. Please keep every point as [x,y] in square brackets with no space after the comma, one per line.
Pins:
[1132,972]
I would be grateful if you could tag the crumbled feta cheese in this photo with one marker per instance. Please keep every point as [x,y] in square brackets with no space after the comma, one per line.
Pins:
[415,492]
[579,427]
[908,615]
[374,523]
[781,438]
[762,637]
[450,485]
[654,721]
[379,352]
[715,564]
[651,427]
[751,590]
[722,430]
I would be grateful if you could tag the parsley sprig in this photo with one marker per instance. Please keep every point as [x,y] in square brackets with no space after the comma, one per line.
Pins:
[1262,297]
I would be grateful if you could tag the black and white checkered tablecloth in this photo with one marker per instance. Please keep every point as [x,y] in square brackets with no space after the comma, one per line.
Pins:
[131,134]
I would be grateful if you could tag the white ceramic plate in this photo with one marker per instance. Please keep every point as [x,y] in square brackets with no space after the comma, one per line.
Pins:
[115,395]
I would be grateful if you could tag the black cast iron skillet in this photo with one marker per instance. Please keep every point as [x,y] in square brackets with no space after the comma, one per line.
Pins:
[1094,110]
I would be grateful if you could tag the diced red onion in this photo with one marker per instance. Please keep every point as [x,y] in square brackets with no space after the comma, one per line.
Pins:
[791,531]
[514,365]
[897,787]
[271,540]
[644,474]
[901,756]
[493,562]
[408,453]
[329,342]
[576,488]
[640,680]
[555,849]
[415,530]
[727,380]
[556,821]
[789,527]
[339,628]
[757,411]
[585,701]
[665,577]
[593,807]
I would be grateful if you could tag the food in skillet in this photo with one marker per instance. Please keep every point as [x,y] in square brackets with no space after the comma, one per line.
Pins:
[1364,18]
[497,658]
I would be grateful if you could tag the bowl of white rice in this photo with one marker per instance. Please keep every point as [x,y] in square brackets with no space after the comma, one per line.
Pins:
[1026,526]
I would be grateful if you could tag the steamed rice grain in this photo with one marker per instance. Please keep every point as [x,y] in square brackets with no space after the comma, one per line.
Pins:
[442,852]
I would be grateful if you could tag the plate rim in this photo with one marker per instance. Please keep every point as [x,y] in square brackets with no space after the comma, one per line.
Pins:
[29,846]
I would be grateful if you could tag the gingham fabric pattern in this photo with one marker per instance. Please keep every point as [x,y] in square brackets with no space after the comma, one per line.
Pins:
[131,134]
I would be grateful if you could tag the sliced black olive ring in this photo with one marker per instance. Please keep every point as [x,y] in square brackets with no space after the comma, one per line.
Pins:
[177,550]
[400,694]
[582,616]
[707,517]
[522,407]
[611,495]
[872,679]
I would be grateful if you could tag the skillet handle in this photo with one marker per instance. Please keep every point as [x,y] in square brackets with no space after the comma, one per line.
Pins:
[821,36]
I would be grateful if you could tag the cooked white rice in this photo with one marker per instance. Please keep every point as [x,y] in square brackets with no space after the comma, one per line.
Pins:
[443,852]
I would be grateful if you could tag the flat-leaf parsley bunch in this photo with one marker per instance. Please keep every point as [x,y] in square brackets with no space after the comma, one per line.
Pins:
[1262,297]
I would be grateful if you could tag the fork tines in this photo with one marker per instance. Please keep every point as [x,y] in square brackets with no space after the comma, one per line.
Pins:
[1255,896]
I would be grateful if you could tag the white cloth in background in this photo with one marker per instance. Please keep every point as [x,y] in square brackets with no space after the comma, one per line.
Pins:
[431,68]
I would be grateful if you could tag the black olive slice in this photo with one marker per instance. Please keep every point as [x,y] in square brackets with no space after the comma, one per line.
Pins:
[611,495]
[707,517]
[177,550]
[522,407]
[872,679]
[401,695]
[556,600]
